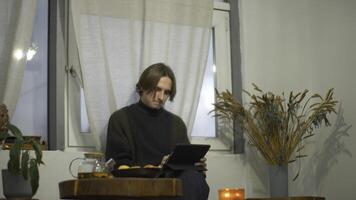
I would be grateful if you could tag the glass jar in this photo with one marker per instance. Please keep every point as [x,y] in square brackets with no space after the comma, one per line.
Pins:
[91,166]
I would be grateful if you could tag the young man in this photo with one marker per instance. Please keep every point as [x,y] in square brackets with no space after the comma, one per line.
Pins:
[144,132]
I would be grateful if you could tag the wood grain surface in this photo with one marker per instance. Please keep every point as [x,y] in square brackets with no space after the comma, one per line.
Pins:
[120,187]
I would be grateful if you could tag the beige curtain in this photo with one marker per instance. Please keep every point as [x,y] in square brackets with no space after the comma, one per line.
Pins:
[117,39]
[16,25]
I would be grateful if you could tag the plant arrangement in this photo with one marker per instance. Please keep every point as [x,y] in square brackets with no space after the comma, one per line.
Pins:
[21,162]
[277,125]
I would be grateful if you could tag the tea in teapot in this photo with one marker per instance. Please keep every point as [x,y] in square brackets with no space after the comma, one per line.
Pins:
[91,166]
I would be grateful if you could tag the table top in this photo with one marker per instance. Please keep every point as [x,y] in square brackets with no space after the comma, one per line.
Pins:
[290,198]
[19,198]
[114,188]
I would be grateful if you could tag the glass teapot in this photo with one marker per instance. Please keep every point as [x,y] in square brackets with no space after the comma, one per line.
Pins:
[91,166]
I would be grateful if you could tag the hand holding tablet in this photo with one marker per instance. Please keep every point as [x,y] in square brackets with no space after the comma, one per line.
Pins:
[188,156]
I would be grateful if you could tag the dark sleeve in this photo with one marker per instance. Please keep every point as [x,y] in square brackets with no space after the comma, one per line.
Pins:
[119,144]
[182,134]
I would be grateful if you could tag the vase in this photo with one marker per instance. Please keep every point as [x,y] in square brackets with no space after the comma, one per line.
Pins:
[278,180]
[15,186]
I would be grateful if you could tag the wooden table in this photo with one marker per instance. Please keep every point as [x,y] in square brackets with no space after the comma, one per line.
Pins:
[290,198]
[19,199]
[120,188]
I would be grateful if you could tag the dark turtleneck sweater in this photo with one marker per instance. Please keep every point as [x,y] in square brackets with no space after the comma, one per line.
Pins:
[139,135]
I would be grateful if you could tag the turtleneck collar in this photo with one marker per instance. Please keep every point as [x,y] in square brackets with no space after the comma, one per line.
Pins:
[149,110]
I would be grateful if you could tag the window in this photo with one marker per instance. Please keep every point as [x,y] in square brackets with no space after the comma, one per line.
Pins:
[77,126]
[31,110]
[217,75]
[208,129]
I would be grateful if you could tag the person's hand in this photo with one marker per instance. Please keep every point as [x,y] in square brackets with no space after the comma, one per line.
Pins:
[202,163]
[164,160]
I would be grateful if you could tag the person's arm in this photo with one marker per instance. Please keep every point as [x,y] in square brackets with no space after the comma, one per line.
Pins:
[118,142]
[183,135]
[180,136]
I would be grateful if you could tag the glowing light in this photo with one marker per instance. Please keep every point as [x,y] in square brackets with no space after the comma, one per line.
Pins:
[231,194]
[30,53]
[18,54]
[214,68]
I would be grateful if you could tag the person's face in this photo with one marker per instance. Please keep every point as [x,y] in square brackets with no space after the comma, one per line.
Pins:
[158,97]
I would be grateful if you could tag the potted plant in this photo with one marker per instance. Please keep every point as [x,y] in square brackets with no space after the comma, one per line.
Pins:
[22,163]
[275,125]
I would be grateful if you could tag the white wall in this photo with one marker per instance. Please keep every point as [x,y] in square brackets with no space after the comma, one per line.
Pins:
[298,44]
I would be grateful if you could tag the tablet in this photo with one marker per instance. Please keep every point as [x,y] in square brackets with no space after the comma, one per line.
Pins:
[184,156]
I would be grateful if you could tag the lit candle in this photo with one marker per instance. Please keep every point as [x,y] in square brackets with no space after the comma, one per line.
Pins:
[232,194]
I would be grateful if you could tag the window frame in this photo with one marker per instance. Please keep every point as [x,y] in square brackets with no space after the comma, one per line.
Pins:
[58,56]
[222,61]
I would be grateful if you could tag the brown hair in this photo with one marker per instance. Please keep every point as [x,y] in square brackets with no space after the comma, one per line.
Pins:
[151,76]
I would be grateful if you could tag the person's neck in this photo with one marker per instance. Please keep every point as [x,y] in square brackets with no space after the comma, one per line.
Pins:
[149,110]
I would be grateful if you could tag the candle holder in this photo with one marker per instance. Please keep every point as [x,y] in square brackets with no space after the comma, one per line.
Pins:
[231,194]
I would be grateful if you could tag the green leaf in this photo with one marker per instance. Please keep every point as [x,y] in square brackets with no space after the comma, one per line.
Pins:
[15,153]
[329,94]
[34,175]
[15,131]
[24,164]
[301,156]
[245,91]
[307,136]
[38,152]
[10,167]
[256,87]
[296,176]
[316,96]
[3,135]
